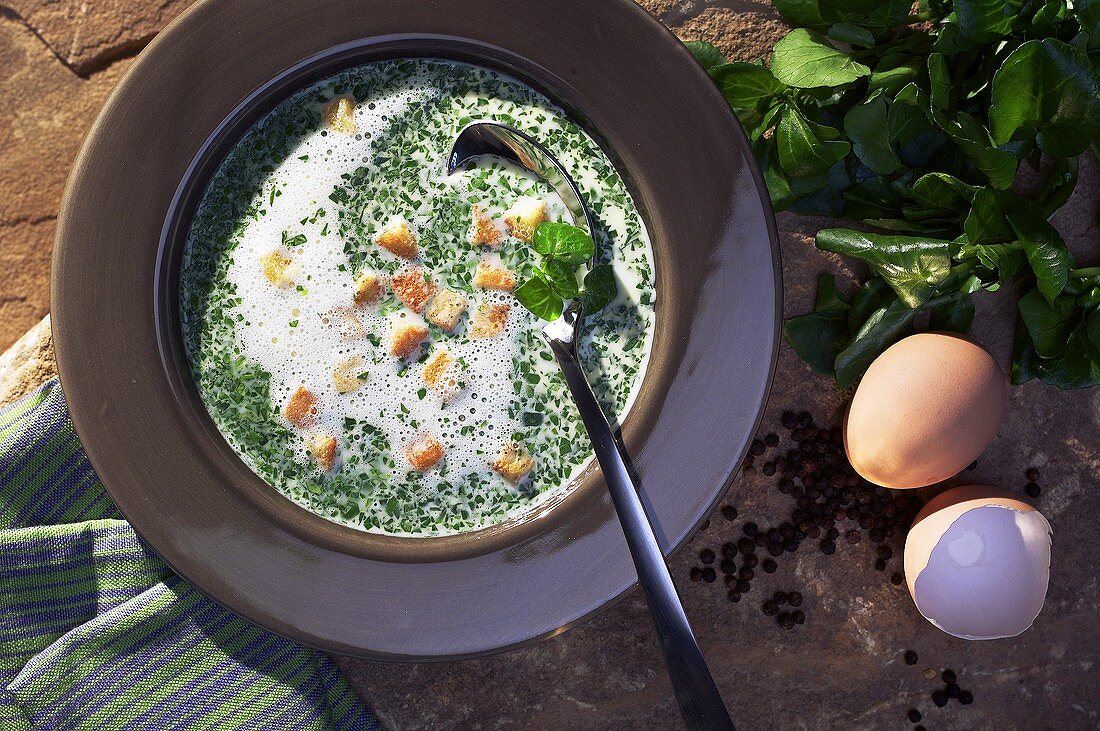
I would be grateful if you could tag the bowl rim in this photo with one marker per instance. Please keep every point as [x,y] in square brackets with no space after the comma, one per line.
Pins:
[293,605]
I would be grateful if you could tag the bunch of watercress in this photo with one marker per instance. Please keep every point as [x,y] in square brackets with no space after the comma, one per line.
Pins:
[914,125]
[562,250]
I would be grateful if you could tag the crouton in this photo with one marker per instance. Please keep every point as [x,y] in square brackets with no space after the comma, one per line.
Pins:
[514,463]
[446,309]
[490,276]
[406,338]
[278,268]
[323,449]
[489,320]
[346,374]
[345,321]
[301,409]
[368,288]
[524,215]
[483,231]
[339,115]
[398,239]
[441,374]
[423,453]
[412,288]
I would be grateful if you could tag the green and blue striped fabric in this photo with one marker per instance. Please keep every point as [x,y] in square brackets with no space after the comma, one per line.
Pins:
[97,633]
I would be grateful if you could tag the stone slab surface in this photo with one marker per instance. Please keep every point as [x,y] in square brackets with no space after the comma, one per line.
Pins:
[843,668]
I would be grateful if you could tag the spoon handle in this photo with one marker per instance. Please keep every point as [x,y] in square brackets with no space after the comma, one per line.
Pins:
[700,703]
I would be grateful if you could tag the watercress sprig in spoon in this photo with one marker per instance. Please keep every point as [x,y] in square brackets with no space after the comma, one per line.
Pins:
[553,294]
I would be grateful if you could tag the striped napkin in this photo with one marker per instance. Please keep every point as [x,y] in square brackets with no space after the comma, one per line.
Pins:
[97,633]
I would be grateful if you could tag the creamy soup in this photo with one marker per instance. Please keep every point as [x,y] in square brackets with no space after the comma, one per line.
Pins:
[348,311]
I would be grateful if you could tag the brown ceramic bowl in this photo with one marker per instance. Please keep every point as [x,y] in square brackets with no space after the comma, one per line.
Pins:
[189,98]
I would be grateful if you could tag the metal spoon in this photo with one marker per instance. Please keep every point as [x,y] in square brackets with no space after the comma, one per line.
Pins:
[700,703]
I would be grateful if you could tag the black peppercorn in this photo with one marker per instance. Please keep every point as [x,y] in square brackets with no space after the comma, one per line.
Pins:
[746,574]
[794,599]
[757,447]
[949,676]
[750,529]
[939,697]
[768,469]
[696,573]
[772,440]
[805,420]
[919,728]
[706,555]
[897,579]
[729,551]
[966,697]
[786,621]
[771,608]
[880,564]
[746,546]
[769,566]
[910,657]
[1032,474]
[1032,489]
[952,690]
[828,547]
[914,715]
[789,420]
[709,575]
[733,595]
[727,566]
[750,561]
[853,537]
[885,553]
[743,586]
[780,597]
[729,512]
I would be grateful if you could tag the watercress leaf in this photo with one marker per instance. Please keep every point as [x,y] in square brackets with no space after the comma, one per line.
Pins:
[828,298]
[911,265]
[939,80]
[1078,366]
[707,55]
[940,190]
[956,316]
[998,166]
[867,128]
[884,327]
[905,122]
[539,297]
[818,337]
[853,34]
[599,288]
[564,242]
[872,295]
[984,20]
[873,198]
[1047,88]
[878,14]
[561,277]
[1060,182]
[1045,251]
[1006,262]
[1049,324]
[986,223]
[822,196]
[805,59]
[1092,328]
[893,77]
[799,12]
[802,153]
[1087,13]
[745,85]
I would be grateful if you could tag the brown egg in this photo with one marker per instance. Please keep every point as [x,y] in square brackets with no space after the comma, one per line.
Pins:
[926,409]
[977,562]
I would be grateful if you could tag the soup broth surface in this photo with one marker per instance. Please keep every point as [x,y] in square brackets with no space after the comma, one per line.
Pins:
[290,226]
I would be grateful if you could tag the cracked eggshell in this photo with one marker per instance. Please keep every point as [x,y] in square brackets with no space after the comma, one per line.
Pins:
[925,409]
[977,562]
